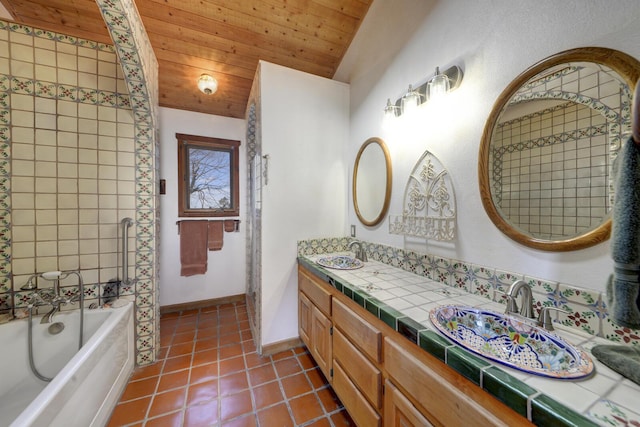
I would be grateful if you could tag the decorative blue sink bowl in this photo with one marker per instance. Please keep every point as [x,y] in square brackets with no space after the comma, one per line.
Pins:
[340,262]
[512,342]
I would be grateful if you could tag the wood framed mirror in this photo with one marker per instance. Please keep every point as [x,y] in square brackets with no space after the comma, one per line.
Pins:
[372,182]
[547,149]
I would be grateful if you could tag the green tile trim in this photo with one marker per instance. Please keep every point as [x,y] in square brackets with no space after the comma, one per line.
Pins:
[466,364]
[347,291]
[434,343]
[373,306]
[508,389]
[390,315]
[409,328]
[545,411]
[359,297]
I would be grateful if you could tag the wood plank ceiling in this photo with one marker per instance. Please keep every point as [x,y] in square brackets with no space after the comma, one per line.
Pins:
[224,38]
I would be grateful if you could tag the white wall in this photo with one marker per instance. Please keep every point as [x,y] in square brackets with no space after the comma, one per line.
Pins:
[305,124]
[226,268]
[493,41]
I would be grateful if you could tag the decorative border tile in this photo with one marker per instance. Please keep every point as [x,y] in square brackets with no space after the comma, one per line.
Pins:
[587,311]
[614,415]
[140,69]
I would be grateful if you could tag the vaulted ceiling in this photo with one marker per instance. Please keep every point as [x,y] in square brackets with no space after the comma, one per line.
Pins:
[224,38]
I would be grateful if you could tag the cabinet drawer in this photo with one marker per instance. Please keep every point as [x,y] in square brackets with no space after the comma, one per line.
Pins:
[359,331]
[312,288]
[363,373]
[355,403]
[440,394]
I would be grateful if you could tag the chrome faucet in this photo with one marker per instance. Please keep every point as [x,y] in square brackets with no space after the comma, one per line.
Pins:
[360,253]
[47,296]
[55,302]
[520,287]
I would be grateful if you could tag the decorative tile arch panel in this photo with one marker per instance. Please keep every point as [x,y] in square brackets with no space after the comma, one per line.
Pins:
[140,69]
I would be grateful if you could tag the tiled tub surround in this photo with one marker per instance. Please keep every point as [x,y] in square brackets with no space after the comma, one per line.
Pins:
[68,161]
[403,299]
[79,153]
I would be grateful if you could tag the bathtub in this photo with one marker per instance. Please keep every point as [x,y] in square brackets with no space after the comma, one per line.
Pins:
[87,383]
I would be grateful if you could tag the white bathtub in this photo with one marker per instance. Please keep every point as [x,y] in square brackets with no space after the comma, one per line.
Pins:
[86,384]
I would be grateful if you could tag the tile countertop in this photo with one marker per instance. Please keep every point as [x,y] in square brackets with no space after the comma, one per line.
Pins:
[403,300]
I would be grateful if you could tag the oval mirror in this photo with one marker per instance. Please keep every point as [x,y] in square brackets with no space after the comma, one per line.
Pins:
[547,148]
[372,182]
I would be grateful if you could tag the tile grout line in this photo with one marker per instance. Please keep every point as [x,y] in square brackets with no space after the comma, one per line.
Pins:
[247,347]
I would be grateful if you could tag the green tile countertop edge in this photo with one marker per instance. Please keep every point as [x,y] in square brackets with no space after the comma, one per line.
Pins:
[522,398]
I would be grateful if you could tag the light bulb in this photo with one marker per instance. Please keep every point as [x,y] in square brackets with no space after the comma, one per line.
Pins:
[207,84]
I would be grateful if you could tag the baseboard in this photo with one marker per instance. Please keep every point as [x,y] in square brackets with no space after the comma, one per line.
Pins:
[277,347]
[194,305]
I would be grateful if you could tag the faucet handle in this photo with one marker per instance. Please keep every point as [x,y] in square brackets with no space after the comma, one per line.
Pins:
[544,318]
[512,304]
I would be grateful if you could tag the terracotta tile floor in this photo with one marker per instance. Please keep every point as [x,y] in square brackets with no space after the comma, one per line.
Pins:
[209,374]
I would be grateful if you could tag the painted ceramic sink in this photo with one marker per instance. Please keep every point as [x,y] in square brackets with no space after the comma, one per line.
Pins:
[512,342]
[340,262]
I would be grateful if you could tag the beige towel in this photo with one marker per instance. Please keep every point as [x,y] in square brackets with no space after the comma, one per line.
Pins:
[215,235]
[193,247]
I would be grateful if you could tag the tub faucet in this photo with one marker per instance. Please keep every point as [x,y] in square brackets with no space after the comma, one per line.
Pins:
[360,253]
[55,302]
[520,287]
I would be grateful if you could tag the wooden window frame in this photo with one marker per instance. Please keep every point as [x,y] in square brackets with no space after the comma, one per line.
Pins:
[218,144]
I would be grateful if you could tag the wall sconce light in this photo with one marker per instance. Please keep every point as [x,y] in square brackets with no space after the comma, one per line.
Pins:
[391,110]
[438,85]
[207,84]
[410,101]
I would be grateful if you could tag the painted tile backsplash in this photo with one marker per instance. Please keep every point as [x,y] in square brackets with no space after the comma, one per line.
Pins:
[583,309]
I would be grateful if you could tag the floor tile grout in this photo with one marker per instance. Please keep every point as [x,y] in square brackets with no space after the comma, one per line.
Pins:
[228,331]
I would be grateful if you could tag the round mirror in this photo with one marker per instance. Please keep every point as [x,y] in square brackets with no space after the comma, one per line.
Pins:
[547,148]
[372,182]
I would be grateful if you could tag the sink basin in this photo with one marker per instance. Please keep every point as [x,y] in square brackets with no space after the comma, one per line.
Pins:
[512,342]
[340,262]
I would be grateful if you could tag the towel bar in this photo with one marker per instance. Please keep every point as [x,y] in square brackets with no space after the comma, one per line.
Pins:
[237,221]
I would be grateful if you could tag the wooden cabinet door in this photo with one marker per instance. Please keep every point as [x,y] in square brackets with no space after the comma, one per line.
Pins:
[304,318]
[321,346]
[399,412]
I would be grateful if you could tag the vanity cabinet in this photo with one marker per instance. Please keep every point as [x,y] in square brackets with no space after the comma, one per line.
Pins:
[363,353]
[440,394]
[399,411]
[314,320]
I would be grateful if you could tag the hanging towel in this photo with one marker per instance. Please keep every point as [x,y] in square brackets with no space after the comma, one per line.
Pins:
[193,247]
[624,283]
[215,235]
[229,225]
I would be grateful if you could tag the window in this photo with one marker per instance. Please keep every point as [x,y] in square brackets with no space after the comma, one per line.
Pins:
[207,176]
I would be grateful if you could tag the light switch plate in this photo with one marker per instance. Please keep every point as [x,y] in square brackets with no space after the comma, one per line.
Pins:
[353,230]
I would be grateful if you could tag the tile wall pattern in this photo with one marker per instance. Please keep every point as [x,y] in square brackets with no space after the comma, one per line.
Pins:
[100,126]
[67,163]
[563,152]
[140,69]
[585,309]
